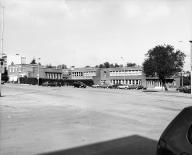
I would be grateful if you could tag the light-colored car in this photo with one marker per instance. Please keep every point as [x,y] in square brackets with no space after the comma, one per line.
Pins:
[123,87]
[95,86]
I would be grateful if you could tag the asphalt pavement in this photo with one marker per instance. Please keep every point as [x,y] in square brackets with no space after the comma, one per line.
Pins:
[84,121]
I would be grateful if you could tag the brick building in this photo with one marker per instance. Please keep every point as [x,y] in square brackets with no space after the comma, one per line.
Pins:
[110,76]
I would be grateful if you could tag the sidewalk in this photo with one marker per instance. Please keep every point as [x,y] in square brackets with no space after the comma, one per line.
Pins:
[170,92]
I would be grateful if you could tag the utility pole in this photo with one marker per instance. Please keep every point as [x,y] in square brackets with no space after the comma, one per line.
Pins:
[123,71]
[1,61]
[191,64]
[38,76]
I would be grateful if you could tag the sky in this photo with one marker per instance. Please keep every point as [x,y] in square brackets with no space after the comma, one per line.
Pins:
[90,32]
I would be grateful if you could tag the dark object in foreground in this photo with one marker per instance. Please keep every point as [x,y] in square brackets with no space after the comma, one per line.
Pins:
[79,84]
[177,137]
[130,145]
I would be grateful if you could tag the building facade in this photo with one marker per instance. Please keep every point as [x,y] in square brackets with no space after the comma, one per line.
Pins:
[15,71]
[109,76]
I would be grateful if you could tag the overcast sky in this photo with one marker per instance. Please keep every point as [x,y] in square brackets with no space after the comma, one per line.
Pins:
[90,32]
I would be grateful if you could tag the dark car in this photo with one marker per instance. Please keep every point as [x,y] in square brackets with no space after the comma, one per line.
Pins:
[187,89]
[184,89]
[104,86]
[45,83]
[115,86]
[177,137]
[132,86]
[79,84]
[140,87]
[51,84]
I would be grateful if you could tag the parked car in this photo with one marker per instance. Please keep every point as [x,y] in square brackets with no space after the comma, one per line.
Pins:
[180,89]
[132,86]
[45,83]
[115,86]
[51,84]
[79,84]
[141,87]
[177,137]
[123,87]
[95,86]
[104,86]
[184,89]
[187,89]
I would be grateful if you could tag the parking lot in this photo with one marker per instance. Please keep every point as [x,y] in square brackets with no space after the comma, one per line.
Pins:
[67,120]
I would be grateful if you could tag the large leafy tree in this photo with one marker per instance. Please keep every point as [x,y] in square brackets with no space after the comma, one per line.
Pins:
[33,61]
[163,61]
[130,64]
[107,65]
[63,66]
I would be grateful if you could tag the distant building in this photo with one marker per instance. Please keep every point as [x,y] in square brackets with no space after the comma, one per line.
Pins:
[15,71]
[109,76]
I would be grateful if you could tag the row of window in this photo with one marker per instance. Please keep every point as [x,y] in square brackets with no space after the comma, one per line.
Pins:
[53,76]
[129,82]
[77,73]
[125,71]
[14,69]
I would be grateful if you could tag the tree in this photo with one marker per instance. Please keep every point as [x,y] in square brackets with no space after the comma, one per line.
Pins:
[101,66]
[164,62]
[49,66]
[63,66]
[116,65]
[106,65]
[33,61]
[130,64]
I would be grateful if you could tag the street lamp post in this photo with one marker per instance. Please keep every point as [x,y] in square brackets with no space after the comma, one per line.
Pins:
[2,52]
[19,71]
[182,78]
[124,72]
[38,63]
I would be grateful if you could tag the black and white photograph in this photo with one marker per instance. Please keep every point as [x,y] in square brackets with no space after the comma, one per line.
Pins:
[95,77]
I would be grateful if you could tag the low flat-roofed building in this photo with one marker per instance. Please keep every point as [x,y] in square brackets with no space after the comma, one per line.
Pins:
[126,75]
[109,76]
[52,73]
[15,71]
[82,73]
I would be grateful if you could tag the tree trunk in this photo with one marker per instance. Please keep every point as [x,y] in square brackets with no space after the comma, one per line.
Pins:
[164,85]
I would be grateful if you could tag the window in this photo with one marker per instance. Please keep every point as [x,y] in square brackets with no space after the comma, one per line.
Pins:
[189,135]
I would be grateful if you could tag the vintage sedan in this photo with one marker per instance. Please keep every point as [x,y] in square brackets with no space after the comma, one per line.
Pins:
[177,137]
[79,84]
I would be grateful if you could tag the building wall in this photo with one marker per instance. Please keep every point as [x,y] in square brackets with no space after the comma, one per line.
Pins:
[83,73]
[19,70]
[120,75]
